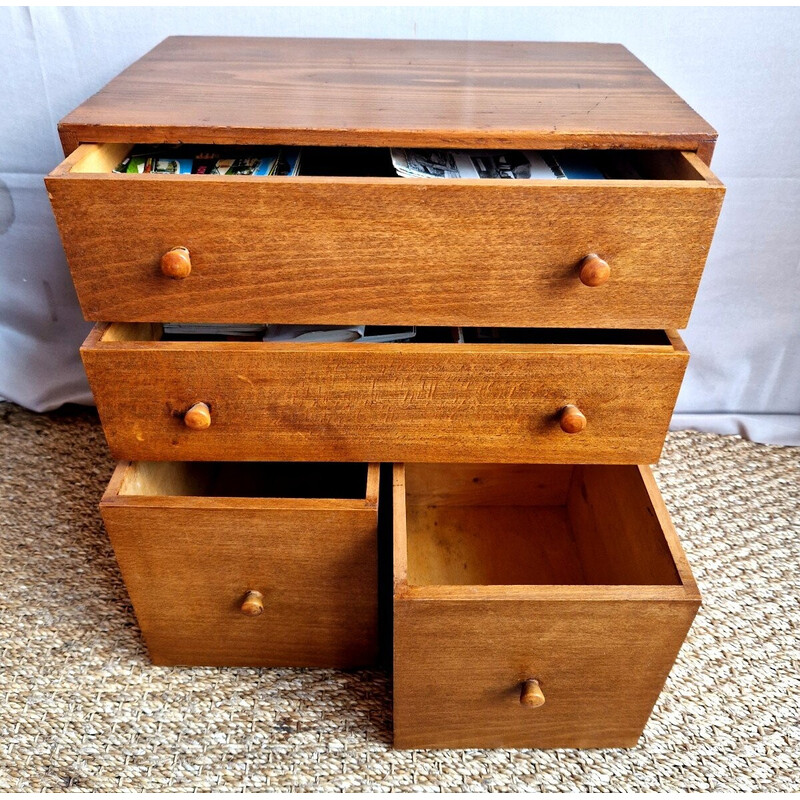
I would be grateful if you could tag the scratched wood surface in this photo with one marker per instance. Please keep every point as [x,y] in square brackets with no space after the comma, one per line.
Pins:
[389,93]
[388,251]
[189,560]
[383,402]
[601,653]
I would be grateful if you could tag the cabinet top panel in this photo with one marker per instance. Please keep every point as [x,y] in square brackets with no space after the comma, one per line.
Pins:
[229,90]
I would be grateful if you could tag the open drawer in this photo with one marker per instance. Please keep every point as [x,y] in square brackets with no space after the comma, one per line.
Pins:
[533,396]
[249,564]
[534,606]
[349,242]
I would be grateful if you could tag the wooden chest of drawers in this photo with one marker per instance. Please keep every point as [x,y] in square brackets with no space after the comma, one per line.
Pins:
[540,592]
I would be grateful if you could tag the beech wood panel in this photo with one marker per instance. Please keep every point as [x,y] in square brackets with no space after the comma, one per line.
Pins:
[601,654]
[383,402]
[388,93]
[491,545]
[387,251]
[189,561]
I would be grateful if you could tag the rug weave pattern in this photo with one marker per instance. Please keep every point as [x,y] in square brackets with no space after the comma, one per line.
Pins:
[82,709]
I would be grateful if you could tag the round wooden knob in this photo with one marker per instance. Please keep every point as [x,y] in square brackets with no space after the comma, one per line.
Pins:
[198,417]
[253,604]
[594,271]
[531,694]
[176,263]
[572,419]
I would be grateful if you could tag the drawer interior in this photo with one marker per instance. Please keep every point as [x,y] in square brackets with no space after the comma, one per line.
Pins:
[376,162]
[246,479]
[154,332]
[533,525]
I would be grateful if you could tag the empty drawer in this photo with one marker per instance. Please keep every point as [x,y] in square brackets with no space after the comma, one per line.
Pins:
[534,606]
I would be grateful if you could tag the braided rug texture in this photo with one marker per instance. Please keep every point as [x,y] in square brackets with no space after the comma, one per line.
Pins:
[82,709]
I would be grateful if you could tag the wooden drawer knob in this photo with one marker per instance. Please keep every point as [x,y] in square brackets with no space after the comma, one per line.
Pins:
[253,604]
[176,263]
[198,417]
[594,271]
[572,419]
[531,694]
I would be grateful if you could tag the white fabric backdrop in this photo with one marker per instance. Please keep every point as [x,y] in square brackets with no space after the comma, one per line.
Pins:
[740,68]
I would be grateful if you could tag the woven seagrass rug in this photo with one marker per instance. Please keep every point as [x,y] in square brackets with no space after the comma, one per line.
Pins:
[82,709]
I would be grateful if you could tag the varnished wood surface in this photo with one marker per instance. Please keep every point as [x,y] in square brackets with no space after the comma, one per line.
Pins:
[388,93]
[383,402]
[601,665]
[489,545]
[600,653]
[388,251]
[488,484]
[190,561]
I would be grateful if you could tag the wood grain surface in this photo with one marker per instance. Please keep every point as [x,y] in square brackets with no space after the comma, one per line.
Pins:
[600,653]
[189,561]
[617,534]
[495,524]
[459,665]
[388,93]
[388,251]
[383,402]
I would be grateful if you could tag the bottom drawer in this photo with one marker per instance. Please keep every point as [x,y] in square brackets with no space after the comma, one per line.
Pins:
[249,564]
[502,395]
[534,606]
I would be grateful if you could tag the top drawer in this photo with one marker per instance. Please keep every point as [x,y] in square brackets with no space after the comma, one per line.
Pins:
[364,247]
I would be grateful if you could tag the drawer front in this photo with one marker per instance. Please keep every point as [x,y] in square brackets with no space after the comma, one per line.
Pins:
[193,565]
[387,251]
[383,402]
[572,579]
[460,668]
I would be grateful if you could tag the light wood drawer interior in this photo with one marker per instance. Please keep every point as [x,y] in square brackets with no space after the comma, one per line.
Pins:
[533,525]
[507,399]
[570,576]
[260,564]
